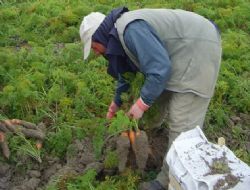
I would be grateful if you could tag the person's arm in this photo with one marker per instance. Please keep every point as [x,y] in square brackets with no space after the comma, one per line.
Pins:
[116,66]
[121,87]
[143,42]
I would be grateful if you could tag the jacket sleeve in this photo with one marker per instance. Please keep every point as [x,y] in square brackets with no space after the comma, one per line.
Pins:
[143,42]
[121,87]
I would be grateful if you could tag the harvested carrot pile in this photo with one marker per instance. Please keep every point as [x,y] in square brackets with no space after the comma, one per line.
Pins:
[16,126]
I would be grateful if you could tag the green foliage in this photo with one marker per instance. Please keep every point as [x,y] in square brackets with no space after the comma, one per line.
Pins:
[28,149]
[120,123]
[128,180]
[14,142]
[111,160]
[95,129]
[83,182]
[70,35]
[57,142]
[55,93]
[68,17]
[235,44]
[9,13]
[19,145]
[220,166]
[98,140]
[136,81]
[51,187]
[80,133]
[43,76]
[243,154]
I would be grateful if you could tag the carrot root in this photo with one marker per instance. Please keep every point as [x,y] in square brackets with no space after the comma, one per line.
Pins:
[132,136]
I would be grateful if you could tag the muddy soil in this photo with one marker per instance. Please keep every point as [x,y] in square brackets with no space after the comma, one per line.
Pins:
[227,183]
[150,150]
[158,146]
[240,123]
[133,155]
[28,174]
[122,149]
[220,166]
[141,150]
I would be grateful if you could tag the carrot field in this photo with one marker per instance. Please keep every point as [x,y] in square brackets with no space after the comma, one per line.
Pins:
[45,81]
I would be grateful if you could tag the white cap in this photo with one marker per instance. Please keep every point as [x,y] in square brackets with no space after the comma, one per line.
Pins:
[88,27]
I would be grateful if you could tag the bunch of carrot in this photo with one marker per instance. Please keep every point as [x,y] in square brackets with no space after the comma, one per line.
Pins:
[17,126]
[131,134]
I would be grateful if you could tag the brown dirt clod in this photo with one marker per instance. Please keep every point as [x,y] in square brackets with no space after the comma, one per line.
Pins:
[141,150]
[122,148]
[5,149]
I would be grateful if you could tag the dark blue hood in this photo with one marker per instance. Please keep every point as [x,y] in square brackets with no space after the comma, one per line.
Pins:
[107,28]
[107,35]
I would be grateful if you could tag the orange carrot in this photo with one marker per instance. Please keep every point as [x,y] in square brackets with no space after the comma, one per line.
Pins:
[2,137]
[8,122]
[39,144]
[5,149]
[23,123]
[16,121]
[132,136]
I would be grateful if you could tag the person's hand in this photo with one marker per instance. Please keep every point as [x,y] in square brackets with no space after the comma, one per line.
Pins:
[113,108]
[137,110]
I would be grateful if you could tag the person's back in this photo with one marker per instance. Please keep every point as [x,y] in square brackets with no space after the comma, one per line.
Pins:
[192,42]
[172,24]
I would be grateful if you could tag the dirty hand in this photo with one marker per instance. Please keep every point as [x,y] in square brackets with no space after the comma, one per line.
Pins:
[113,108]
[137,110]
